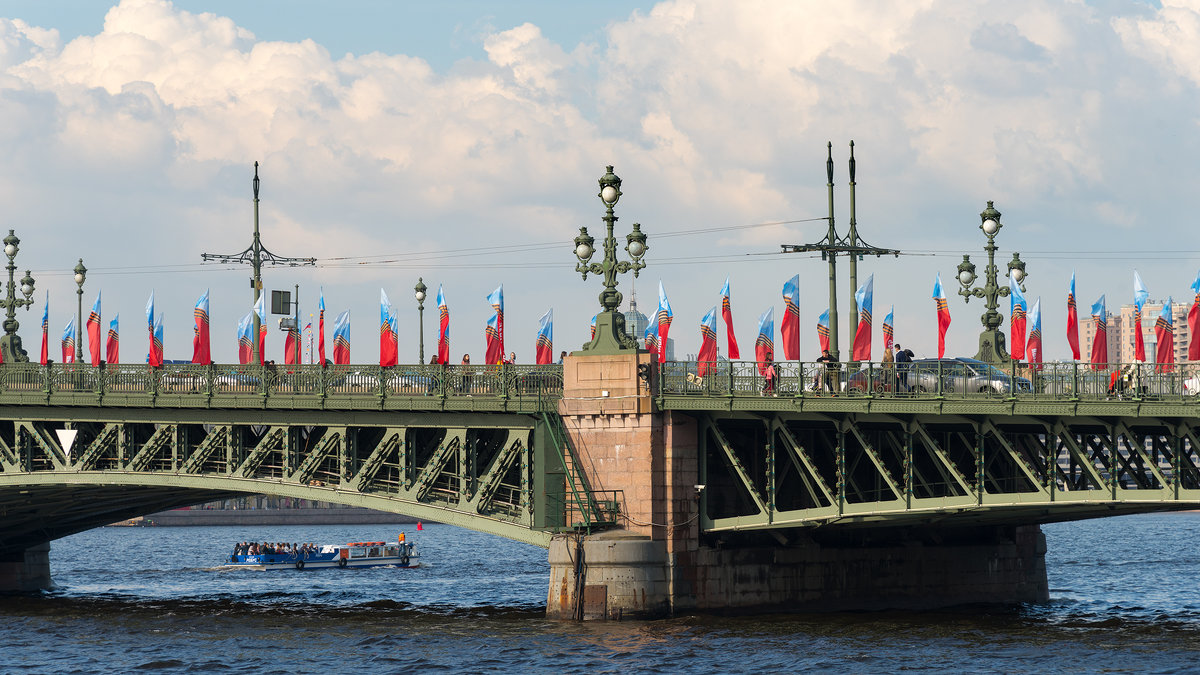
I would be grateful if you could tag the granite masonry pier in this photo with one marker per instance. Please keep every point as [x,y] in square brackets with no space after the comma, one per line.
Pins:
[659,564]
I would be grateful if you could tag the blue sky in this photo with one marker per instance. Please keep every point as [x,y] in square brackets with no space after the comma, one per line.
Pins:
[462,142]
[440,32]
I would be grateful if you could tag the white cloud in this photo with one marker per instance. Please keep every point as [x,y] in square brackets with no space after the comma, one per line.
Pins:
[135,145]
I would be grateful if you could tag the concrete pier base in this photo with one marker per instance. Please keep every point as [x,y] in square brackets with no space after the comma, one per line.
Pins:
[636,577]
[26,571]
[619,576]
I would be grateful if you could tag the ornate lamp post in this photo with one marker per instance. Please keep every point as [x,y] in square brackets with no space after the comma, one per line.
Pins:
[420,296]
[11,342]
[80,276]
[610,323]
[992,348]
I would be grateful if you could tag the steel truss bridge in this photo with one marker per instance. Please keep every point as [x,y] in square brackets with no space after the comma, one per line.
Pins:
[478,447]
[939,444]
[484,448]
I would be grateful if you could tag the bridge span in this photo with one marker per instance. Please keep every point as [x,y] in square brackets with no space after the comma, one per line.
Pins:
[657,489]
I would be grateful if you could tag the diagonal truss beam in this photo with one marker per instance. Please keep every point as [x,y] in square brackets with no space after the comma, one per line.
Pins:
[799,454]
[738,468]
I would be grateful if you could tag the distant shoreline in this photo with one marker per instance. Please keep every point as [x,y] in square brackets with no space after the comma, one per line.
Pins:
[324,516]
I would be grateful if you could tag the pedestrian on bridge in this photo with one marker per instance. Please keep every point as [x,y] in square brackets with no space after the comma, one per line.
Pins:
[466,377]
[831,371]
[903,362]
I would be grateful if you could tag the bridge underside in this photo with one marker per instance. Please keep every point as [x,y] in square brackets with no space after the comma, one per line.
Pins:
[478,471]
[833,473]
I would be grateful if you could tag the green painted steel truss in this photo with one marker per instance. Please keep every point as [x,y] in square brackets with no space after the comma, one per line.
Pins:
[779,470]
[498,388]
[491,472]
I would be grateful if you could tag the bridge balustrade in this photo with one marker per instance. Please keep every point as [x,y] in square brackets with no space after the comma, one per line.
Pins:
[345,386]
[933,379]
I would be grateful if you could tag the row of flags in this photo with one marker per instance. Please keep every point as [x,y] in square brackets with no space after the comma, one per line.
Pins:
[1025,329]
[93,332]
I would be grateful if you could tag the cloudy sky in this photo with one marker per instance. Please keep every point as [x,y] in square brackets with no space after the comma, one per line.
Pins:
[463,145]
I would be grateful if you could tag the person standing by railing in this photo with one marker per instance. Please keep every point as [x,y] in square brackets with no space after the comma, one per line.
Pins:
[903,363]
[466,376]
[889,370]
[831,371]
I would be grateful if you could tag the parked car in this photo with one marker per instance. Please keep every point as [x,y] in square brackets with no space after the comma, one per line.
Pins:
[876,380]
[962,375]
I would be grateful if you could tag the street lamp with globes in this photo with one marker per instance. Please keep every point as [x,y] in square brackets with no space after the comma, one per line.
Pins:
[420,296]
[611,337]
[992,348]
[80,276]
[10,344]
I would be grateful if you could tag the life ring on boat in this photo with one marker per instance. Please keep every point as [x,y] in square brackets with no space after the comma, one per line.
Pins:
[299,564]
[341,562]
[404,560]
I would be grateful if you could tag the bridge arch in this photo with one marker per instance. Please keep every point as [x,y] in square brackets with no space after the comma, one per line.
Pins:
[67,470]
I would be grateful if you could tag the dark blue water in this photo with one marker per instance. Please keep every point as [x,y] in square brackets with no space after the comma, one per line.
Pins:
[1124,598]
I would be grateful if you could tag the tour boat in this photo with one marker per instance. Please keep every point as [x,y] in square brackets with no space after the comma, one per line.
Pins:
[355,554]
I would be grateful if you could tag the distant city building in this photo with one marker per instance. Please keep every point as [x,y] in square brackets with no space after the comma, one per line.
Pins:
[1087,335]
[635,321]
[1150,312]
[1121,333]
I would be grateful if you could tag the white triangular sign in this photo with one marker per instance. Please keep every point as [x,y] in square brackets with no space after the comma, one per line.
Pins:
[66,438]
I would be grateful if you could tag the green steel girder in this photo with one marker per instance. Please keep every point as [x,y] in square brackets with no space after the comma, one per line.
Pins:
[140,461]
[1028,469]
[807,470]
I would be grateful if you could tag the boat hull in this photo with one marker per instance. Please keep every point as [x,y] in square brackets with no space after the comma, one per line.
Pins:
[358,554]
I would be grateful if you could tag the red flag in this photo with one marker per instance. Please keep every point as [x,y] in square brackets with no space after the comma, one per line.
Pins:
[93,332]
[1100,341]
[341,338]
[544,345]
[46,331]
[1072,320]
[727,315]
[943,314]
[321,328]
[1017,318]
[201,350]
[789,328]
[245,339]
[708,342]
[155,357]
[1164,335]
[865,297]
[494,351]
[443,348]
[1194,323]
[494,331]
[68,343]
[1033,346]
[112,354]
[663,317]
[823,331]
[291,346]
[388,350]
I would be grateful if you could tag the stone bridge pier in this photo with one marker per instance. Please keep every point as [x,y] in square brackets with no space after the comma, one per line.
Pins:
[661,563]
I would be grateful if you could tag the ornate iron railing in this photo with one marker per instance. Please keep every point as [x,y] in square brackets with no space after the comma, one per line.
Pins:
[533,386]
[934,378]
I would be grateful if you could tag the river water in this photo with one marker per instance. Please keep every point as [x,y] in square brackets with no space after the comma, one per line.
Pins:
[1124,598]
